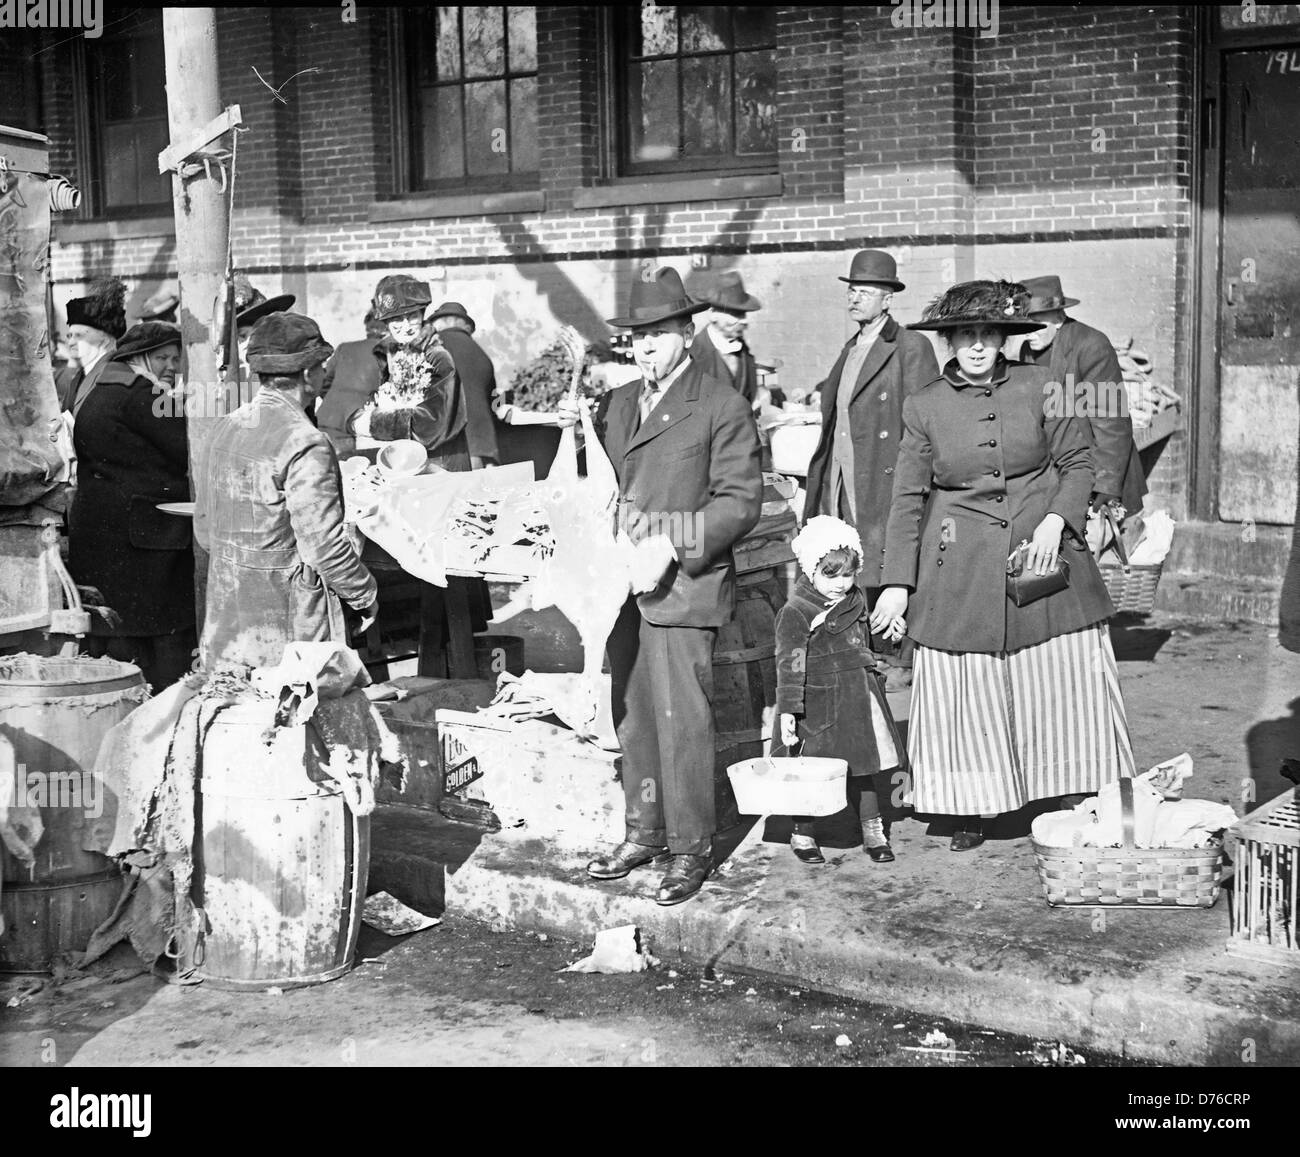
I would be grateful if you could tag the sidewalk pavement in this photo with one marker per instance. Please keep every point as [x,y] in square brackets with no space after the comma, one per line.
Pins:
[966,936]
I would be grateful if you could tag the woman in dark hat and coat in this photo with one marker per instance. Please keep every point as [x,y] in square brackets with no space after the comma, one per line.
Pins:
[419,395]
[1009,703]
[132,454]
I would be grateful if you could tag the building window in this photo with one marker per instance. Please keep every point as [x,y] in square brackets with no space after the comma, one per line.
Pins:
[471,98]
[697,88]
[127,103]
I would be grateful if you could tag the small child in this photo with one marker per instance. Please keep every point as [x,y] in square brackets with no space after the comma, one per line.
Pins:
[829,693]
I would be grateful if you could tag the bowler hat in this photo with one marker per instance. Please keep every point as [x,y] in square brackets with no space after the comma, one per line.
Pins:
[729,293]
[875,267]
[252,305]
[399,294]
[657,300]
[162,305]
[999,303]
[452,309]
[145,337]
[1045,294]
[286,343]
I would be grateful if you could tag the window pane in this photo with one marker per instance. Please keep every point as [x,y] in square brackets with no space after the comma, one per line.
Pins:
[704,29]
[652,111]
[121,185]
[523,125]
[443,147]
[754,27]
[486,137]
[523,39]
[706,105]
[151,139]
[755,102]
[448,45]
[484,41]
[148,65]
[115,80]
[658,30]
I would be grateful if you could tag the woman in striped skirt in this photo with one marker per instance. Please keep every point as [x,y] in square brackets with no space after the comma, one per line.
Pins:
[1009,704]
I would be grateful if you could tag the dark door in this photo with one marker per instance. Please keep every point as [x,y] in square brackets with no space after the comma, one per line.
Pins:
[1259,303]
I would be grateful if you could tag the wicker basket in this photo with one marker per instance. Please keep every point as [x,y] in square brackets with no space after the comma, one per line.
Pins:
[1129,876]
[1131,588]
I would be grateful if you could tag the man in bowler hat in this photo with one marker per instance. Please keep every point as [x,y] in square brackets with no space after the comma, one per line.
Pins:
[720,347]
[1078,353]
[685,448]
[851,474]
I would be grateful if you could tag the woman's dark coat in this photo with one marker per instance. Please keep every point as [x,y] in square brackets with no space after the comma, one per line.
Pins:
[995,464]
[825,677]
[132,453]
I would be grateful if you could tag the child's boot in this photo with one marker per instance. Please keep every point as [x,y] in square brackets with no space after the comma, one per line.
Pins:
[874,841]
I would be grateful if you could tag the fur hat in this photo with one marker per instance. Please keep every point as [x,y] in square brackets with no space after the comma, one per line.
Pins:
[104,308]
[820,535]
[999,303]
[286,343]
[400,294]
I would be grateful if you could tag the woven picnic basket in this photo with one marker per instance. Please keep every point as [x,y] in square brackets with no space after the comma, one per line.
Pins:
[1132,588]
[1129,876]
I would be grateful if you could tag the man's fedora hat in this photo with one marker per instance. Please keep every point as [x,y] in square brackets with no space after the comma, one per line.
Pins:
[1045,294]
[252,304]
[999,303]
[145,337]
[874,267]
[657,300]
[162,305]
[728,292]
[452,309]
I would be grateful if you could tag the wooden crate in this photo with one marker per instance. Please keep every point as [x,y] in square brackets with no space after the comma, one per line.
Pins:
[1265,848]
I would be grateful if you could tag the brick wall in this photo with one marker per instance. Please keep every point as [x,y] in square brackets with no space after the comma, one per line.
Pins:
[964,156]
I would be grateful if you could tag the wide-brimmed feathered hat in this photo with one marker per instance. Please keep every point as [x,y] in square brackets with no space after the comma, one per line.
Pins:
[657,300]
[400,294]
[251,305]
[286,343]
[145,337]
[103,308]
[999,303]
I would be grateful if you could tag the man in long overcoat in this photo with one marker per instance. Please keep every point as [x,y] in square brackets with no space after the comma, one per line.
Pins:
[269,512]
[685,449]
[1080,354]
[851,474]
[478,380]
[352,375]
[720,349]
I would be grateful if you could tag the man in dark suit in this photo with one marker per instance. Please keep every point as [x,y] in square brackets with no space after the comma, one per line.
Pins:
[478,380]
[686,452]
[851,474]
[720,349]
[1078,353]
[352,376]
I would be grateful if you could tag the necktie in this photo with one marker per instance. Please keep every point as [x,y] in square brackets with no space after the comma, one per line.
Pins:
[649,398]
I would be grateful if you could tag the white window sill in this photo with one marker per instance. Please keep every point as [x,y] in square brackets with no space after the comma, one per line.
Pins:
[458,205]
[661,190]
[125,229]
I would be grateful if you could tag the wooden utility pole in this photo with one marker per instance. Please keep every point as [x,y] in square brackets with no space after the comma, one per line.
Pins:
[202,231]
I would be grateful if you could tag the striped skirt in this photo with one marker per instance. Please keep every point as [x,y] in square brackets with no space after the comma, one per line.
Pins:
[990,733]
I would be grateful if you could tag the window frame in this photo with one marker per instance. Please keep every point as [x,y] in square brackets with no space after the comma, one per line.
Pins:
[403,46]
[621,166]
[89,130]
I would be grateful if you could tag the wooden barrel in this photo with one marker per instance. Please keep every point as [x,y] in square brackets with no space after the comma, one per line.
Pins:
[744,682]
[768,544]
[281,859]
[54,714]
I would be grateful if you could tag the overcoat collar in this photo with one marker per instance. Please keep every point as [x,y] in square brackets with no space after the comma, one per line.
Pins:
[882,349]
[952,372]
[847,610]
[677,404]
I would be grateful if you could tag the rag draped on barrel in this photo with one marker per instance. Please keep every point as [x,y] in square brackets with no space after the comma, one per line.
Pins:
[149,765]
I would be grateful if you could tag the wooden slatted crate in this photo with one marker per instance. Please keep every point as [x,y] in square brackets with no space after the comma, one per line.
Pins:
[1265,848]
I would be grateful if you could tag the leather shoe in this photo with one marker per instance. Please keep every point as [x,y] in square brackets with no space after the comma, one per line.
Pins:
[883,854]
[811,855]
[683,879]
[624,858]
[963,841]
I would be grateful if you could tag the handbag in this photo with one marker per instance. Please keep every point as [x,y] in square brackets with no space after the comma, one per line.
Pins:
[1024,588]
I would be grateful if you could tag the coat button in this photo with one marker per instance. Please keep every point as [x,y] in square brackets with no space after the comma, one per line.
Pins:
[943,546]
[997,473]
[988,393]
[998,499]
[889,469]
[992,417]
[993,441]
[884,433]
[1004,522]
[939,562]
[884,394]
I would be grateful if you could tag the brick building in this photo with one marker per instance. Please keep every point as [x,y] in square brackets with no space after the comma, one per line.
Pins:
[531,161]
